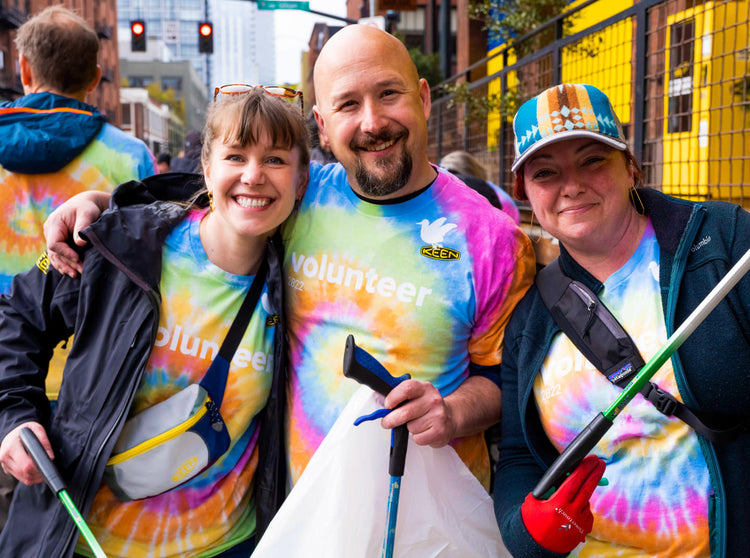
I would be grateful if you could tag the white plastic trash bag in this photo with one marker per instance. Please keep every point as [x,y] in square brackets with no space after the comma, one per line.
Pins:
[338,506]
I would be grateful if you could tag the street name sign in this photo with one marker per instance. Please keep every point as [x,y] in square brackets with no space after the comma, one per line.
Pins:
[278,5]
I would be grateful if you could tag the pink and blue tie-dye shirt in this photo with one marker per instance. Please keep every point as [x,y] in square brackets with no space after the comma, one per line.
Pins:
[425,285]
[656,502]
[215,510]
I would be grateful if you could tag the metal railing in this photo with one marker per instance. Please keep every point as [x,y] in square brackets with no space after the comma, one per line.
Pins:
[677,72]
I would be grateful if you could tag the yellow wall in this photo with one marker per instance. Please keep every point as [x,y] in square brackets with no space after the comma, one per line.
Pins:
[713,158]
[602,61]
[729,139]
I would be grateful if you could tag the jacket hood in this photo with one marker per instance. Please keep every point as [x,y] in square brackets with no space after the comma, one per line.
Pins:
[43,132]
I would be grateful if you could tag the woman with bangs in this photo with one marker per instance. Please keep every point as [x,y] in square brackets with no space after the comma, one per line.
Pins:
[161,285]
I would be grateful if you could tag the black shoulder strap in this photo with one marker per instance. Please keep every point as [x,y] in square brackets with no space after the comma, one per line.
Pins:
[589,325]
[593,329]
[215,379]
[241,321]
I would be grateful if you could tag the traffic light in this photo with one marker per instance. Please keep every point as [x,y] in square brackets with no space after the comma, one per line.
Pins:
[138,35]
[205,37]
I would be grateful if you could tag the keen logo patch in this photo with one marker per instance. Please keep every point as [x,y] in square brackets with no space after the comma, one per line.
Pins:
[43,263]
[185,469]
[272,321]
[434,235]
[440,253]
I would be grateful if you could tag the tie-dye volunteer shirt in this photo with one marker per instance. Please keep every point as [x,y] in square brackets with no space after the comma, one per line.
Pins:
[656,502]
[26,200]
[424,285]
[215,510]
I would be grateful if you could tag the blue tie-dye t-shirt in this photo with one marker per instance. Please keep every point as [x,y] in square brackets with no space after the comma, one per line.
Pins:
[214,510]
[425,285]
[656,502]
[26,200]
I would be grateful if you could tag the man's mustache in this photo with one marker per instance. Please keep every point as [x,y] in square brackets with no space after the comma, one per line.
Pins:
[371,140]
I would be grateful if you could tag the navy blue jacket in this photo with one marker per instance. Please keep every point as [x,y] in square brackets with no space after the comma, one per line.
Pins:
[699,242]
[48,136]
[113,310]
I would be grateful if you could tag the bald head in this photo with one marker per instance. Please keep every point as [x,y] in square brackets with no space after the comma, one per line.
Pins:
[354,49]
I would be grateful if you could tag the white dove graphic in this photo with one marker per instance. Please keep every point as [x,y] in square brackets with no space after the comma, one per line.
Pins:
[433,233]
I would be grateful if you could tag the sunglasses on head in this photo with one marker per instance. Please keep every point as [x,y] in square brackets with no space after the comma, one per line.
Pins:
[275,90]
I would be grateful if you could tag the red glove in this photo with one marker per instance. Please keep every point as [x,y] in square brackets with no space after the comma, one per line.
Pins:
[564,520]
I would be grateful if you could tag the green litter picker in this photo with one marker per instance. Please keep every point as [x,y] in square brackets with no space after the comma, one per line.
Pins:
[53,479]
[585,441]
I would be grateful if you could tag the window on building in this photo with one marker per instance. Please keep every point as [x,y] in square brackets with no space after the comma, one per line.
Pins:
[680,87]
[171,82]
[140,81]
[126,115]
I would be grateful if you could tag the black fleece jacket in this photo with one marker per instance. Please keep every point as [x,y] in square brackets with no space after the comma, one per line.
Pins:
[113,311]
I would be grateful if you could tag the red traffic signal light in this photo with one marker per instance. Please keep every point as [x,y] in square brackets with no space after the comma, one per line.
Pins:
[205,37]
[138,35]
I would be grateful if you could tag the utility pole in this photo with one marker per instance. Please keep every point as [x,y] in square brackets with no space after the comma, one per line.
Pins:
[208,56]
[445,37]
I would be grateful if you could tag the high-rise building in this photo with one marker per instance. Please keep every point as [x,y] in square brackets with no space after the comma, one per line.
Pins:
[244,47]
[244,44]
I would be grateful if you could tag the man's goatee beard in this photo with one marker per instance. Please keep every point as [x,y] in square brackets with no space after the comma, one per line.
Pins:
[376,187]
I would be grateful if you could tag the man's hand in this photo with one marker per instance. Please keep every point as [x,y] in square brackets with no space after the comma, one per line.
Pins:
[434,420]
[562,522]
[70,218]
[424,411]
[14,459]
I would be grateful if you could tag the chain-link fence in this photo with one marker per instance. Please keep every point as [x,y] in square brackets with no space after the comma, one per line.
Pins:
[677,72]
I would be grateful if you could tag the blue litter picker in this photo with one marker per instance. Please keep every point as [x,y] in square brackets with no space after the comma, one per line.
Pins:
[361,366]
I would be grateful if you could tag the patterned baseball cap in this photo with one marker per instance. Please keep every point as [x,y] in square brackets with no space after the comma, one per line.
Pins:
[564,112]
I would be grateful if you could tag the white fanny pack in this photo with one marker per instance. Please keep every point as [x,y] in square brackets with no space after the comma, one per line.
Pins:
[174,441]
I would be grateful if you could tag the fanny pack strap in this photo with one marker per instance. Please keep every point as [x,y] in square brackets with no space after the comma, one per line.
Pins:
[215,379]
[593,329]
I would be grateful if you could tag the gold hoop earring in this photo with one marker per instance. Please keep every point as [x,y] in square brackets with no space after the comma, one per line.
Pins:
[636,200]
[211,201]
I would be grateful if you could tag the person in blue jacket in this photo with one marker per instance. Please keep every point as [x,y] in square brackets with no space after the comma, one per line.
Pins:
[161,285]
[651,258]
[465,165]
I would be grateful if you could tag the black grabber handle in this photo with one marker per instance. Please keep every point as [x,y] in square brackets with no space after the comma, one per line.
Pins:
[42,461]
[572,456]
[397,460]
[361,366]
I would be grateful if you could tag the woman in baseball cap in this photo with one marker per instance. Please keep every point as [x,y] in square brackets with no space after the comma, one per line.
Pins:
[651,259]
